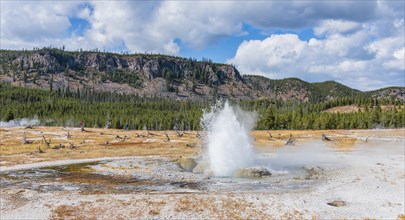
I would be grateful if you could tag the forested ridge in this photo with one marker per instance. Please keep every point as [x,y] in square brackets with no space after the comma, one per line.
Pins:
[96,109]
[161,76]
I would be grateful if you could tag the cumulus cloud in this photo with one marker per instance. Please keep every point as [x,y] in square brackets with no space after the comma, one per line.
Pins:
[34,21]
[165,26]
[349,41]
[328,27]
[351,59]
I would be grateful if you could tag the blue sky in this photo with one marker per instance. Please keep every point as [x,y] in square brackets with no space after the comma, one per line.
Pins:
[357,43]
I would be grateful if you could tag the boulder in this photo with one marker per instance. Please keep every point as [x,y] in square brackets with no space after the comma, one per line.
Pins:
[201,167]
[313,172]
[187,164]
[252,172]
[337,203]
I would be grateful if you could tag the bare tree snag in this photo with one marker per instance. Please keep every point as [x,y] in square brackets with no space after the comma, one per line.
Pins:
[68,135]
[290,141]
[40,150]
[325,138]
[270,136]
[124,138]
[179,134]
[24,140]
[72,146]
[46,142]
[167,138]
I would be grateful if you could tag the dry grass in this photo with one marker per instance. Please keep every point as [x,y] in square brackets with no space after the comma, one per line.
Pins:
[91,144]
[184,205]
[343,140]
[344,109]
[109,209]
[95,143]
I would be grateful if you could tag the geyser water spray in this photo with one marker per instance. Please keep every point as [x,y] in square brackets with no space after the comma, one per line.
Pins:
[227,141]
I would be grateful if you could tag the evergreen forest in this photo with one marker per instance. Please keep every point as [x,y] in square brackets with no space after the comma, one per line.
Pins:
[96,109]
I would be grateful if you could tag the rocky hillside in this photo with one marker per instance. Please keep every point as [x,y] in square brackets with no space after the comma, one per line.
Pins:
[150,75]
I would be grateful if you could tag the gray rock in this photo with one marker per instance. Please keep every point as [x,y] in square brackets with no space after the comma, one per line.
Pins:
[187,164]
[252,172]
[337,203]
[313,172]
[201,167]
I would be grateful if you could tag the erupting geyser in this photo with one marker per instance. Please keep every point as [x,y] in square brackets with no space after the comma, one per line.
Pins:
[229,146]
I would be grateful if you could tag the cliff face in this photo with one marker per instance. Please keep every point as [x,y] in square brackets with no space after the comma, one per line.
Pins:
[145,75]
[155,76]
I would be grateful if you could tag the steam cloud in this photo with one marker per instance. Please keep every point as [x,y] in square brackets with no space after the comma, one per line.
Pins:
[20,122]
[229,146]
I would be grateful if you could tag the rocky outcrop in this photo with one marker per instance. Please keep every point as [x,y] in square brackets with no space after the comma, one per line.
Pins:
[153,75]
[141,74]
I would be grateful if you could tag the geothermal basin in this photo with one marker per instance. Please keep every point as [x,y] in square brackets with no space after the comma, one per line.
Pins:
[358,174]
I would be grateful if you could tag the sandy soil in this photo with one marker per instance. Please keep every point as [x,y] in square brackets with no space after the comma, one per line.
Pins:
[360,171]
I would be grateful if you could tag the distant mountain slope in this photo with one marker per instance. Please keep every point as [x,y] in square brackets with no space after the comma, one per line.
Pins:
[301,90]
[290,88]
[390,92]
[156,75]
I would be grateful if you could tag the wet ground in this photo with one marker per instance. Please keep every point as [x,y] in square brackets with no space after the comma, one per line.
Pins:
[158,175]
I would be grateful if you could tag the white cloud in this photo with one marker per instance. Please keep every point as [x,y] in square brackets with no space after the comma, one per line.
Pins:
[364,55]
[156,26]
[357,39]
[285,55]
[28,24]
[329,27]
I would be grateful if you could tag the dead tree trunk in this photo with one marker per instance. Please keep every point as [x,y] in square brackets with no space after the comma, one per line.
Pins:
[46,142]
[270,136]
[167,138]
[290,141]
[152,134]
[325,138]
[24,139]
[179,134]
[68,135]
[72,146]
